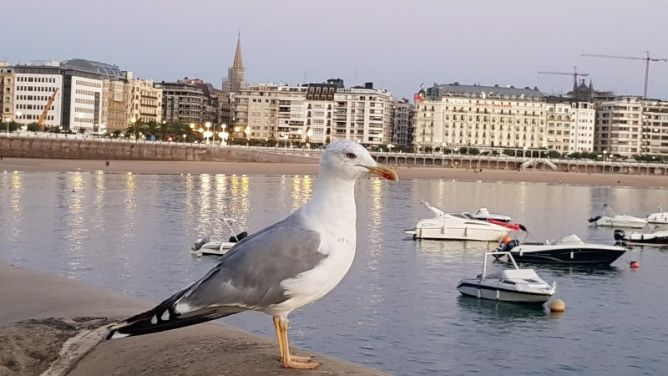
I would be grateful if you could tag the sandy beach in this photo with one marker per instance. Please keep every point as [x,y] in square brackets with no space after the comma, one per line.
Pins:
[240,168]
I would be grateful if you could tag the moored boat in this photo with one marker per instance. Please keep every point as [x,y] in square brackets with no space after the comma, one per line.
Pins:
[207,247]
[569,250]
[657,238]
[660,217]
[456,226]
[510,285]
[611,219]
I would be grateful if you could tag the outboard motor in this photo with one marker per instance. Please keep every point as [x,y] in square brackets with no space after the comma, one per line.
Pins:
[238,237]
[199,243]
[619,234]
[594,219]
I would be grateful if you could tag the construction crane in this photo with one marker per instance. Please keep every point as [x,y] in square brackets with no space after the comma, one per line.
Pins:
[647,59]
[575,75]
[42,117]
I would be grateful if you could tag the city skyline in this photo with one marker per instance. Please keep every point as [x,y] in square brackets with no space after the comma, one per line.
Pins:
[503,43]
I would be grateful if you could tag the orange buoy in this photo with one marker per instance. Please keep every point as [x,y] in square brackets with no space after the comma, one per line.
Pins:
[557,305]
[634,265]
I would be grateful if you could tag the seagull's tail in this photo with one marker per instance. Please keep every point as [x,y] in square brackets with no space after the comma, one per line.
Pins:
[164,317]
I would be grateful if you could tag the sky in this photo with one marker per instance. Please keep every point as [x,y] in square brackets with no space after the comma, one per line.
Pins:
[395,44]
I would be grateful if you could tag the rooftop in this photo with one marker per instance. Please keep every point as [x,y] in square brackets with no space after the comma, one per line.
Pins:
[457,89]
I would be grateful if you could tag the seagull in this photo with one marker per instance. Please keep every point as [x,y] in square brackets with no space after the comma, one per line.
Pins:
[282,267]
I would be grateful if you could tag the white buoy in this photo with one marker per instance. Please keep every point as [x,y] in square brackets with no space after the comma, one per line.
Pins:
[557,305]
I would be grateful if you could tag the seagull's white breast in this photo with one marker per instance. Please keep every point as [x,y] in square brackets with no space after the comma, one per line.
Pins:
[338,243]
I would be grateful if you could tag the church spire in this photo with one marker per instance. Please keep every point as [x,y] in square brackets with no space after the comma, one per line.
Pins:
[236,74]
[238,61]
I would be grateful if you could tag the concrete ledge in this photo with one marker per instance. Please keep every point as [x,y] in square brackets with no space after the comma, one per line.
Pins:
[40,313]
[104,149]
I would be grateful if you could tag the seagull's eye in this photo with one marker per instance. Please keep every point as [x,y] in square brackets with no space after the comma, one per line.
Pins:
[351,155]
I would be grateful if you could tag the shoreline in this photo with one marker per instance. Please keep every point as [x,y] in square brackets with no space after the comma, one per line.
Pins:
[50,322]
[277,169]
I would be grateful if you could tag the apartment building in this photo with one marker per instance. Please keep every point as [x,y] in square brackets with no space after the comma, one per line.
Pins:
[619,126]
[570,125]
[115,109]
[474,115]
[630,126]
[7,78]
[363,114]
[654,127]
[314,113]
[402,126]
[145,100]
[182,102]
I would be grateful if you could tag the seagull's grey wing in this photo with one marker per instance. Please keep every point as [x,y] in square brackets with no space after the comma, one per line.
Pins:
[250,275]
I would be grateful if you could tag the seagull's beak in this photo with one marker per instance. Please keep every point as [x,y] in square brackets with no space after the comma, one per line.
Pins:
[383,172]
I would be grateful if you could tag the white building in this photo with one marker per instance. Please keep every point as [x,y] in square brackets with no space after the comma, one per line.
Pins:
[570,126]
[655,127]
[32,91]
[85,110]
[313,113]
[456,115]
[631,126]
[619,126]
[363,114]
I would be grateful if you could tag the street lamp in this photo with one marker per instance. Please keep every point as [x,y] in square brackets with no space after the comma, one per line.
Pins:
[207,133]
[223,137]
[309,133]
[248,131]
[133,122]
[184,137]
[7,119]
[285,138]
[442,147]
[389,147]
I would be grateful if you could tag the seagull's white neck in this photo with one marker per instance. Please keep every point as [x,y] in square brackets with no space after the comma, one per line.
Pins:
[333,201]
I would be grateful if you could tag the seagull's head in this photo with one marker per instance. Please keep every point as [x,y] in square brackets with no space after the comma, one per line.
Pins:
[350,160]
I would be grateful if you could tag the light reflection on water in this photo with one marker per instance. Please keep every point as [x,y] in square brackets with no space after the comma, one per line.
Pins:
[397,309]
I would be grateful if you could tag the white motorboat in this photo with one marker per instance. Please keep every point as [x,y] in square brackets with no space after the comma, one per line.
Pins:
[660,217]
[206,246]
[611,219]
[511,285]
[456,226]
[569,250]
[656,238]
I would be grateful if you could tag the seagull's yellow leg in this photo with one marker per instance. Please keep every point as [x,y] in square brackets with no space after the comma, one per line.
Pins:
[279,335]
[293,361]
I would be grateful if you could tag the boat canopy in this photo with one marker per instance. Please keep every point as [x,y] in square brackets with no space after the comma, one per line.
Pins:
[571,239]
[520,274]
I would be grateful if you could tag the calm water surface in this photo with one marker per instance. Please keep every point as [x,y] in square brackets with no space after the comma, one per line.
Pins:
[398,309]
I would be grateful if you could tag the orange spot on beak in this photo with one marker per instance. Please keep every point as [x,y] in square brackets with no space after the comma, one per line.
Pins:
[384,172]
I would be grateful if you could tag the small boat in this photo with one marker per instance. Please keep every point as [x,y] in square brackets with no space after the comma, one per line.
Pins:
[498,219]
[658,238]
[456,226]
[511,285]
[660,217]
[570,250]
[206,246]
[617,220]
